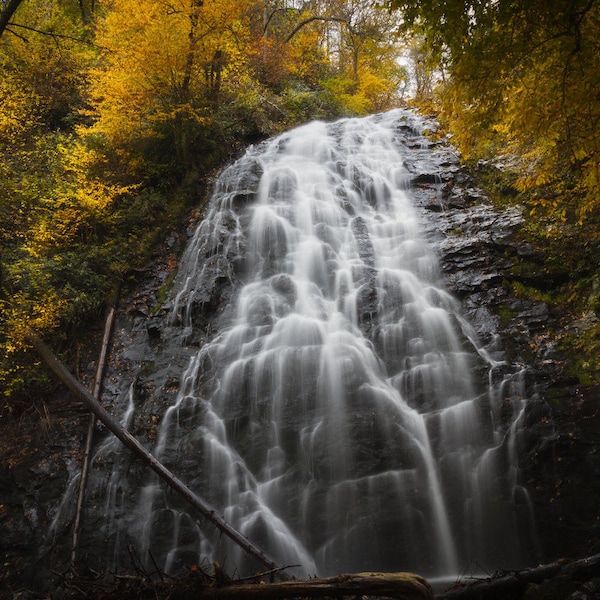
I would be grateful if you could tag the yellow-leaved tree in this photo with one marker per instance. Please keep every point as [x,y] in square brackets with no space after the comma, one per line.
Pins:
[347,50]
[45,216]
[522,80]
[165,68]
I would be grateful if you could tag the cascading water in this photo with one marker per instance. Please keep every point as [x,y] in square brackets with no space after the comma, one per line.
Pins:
[344,416]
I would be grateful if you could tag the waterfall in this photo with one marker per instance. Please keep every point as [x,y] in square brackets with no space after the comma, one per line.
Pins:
[339,410]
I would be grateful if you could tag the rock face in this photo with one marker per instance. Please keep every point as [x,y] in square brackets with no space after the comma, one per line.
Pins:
[482,252]
[479,248]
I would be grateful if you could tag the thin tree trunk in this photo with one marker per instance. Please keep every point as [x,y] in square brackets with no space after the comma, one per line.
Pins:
[134,445]
[110,318]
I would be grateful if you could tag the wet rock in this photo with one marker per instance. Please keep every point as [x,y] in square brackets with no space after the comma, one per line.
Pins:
[365,246]
[422,178]
[242,184]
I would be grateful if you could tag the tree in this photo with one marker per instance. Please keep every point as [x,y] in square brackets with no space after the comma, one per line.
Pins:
[164,69]
[52,209]
[522,79]
[346,47]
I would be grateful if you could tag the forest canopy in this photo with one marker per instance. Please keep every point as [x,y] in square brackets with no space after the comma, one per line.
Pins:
[112,112]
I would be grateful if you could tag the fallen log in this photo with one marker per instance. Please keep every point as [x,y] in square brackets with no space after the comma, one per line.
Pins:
[511,586]
[402,586]
[134,445]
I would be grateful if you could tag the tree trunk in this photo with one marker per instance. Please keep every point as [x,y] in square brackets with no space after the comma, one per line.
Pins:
[90,432]
[132,443]
[7,12]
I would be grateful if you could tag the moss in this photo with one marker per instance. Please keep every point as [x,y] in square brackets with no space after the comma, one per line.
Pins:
[532,292]
[497,183]
[506,314]
[581,346]
[147,370]
[163,291]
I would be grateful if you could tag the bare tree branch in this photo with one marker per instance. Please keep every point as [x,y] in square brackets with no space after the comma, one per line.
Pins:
[51,34]
[12,32]
[268,19]
[310,20]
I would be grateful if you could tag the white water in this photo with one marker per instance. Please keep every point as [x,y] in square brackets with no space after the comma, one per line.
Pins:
[339,418]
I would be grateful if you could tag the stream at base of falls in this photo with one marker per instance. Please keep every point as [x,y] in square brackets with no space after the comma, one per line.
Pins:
[315,381]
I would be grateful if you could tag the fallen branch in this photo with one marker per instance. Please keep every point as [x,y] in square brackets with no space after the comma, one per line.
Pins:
[132,443]
[403,586]
[511,586]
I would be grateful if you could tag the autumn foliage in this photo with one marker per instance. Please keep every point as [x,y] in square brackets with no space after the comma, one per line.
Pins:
[519,80]
[111,111]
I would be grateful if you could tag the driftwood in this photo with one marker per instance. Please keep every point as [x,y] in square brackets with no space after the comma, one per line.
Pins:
[403,586]
[511,586]
[108,326]
[134,445]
